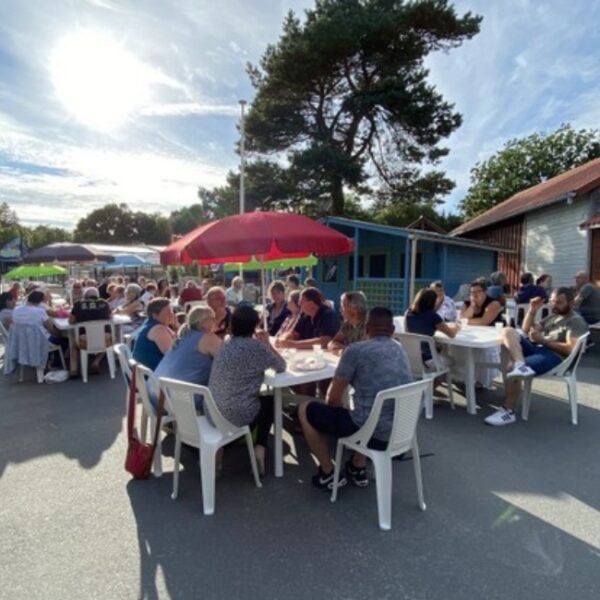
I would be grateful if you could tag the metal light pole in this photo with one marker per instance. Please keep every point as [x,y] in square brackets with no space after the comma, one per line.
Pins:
[242,165]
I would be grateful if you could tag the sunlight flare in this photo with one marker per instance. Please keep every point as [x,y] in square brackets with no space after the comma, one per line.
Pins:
[99,82]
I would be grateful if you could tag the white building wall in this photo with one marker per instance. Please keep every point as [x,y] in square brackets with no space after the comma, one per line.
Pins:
[553,242]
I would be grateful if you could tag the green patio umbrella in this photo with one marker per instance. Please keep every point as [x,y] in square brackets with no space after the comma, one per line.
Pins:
[25,271]
[287,263]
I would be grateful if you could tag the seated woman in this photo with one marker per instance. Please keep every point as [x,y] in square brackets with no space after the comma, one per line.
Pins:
[191,357]
[237,373]
[155,337]
[133,307]
[422,318]
[277,311]
[163,289]
[293,306]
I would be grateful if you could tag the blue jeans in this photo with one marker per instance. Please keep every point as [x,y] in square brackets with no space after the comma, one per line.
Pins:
[539,358]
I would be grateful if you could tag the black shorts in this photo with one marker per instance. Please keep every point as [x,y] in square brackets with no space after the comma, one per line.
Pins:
[337,422]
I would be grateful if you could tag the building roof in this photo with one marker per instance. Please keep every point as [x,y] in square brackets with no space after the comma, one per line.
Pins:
[425,224]
[418,234]
[570,184]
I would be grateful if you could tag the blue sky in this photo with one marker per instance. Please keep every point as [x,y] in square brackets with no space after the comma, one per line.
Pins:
[137,102]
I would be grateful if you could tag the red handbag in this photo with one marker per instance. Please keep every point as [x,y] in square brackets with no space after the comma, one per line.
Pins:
[138,460]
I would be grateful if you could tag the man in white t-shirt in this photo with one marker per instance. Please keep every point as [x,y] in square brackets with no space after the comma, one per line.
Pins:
[235,294]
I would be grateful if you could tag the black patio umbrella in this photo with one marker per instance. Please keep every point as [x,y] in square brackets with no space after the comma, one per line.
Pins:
[66,252]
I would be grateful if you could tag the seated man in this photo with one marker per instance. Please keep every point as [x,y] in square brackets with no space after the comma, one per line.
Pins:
[529,290]
[547,345]
[90,308]
[353,329]
[317,323]
[376,364]
[587,300]
[444,305]
[235,294]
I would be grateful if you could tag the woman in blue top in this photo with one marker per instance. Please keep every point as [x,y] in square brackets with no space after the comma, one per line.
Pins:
[155,337]
[423,319]
[190,359]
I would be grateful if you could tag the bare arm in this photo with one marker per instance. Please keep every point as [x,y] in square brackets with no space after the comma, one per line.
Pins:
[529,322]
[210,344]
[338,342]
[308,344]
[162,336]
[336,391]
[449,330]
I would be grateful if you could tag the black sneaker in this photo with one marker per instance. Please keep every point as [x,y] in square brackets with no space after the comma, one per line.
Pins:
[358,476]
[325,481]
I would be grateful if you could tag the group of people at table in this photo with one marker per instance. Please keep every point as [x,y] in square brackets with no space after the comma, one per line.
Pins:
[228,349]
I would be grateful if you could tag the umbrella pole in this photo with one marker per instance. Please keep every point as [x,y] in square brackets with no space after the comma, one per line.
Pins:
[263,295]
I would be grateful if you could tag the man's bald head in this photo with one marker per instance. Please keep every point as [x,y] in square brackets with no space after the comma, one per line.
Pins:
[380,322]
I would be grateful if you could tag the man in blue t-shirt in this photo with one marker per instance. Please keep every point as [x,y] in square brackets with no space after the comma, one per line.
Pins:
[317,324]
[376,364]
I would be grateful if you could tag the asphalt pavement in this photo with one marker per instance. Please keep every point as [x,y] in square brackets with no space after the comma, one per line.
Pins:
[511,512]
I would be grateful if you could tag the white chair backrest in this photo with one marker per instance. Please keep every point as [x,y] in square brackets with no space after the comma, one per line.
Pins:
[570,363]
[94,331]
[146,384]
[408,402]
[330,303]
[189,305]
[180,396]
[123,353]
[188,390]
[413,345]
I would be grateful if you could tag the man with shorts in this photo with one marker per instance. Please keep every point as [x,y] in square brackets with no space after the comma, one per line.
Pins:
[379,363]
[539,347]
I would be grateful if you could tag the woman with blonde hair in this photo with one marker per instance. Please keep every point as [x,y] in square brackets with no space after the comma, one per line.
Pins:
[190,359]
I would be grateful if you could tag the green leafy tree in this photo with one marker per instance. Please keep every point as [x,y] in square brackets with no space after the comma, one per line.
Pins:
[117,224]
[345,96]
[42,235]
[525,162]
[187,218]
[9,224]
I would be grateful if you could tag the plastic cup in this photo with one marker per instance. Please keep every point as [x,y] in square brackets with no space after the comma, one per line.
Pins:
[499,327]
[464,322]
[316,348]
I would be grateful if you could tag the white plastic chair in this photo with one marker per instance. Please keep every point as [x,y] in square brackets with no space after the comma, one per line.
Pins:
[565,371]
[198,431]
[147,384]
[412,344]
[189,305]
[95,343]
[407,401]
[515,313]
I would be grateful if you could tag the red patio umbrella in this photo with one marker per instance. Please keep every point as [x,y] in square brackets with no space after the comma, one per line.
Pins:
[264,235]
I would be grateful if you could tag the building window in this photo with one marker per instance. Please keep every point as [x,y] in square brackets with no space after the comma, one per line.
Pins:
[361,267]
[377,265]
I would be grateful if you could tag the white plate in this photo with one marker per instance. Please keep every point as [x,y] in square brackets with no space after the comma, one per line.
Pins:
[309,364]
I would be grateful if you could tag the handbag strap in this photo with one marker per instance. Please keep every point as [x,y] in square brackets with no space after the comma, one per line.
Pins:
[131,408]
[159,411]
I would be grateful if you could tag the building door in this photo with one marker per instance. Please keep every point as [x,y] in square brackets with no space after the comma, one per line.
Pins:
[595,257]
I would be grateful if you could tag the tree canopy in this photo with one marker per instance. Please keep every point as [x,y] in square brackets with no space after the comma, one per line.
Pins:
[118,224]
[525,162]
[345,96]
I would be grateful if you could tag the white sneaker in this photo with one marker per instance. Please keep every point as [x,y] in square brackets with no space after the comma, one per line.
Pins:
[501,417]
[521,370]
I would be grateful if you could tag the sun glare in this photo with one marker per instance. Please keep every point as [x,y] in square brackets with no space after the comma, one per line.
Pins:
[97,80]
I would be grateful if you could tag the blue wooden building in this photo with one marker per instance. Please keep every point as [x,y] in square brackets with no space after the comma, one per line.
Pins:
[390,264]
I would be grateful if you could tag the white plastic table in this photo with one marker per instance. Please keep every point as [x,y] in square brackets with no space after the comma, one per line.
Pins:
[288,378]
[470,338]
